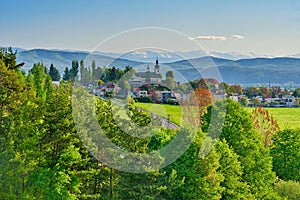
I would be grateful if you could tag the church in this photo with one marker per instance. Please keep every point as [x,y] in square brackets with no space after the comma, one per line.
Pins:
[148,77]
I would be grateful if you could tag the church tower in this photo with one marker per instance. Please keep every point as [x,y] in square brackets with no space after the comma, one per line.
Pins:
[156,68]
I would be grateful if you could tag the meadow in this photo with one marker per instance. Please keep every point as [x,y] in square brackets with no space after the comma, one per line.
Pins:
[286,117]
[163,110]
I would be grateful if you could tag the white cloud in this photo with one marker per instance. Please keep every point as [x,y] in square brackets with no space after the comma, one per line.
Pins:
[238,37]
[208,37]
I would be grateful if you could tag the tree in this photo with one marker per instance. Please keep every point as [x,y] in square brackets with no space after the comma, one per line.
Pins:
[263,91]
[66,75]
[170,83]
[82,71]
[39,76]
[232,171]
[54,73]
[244,101]
[235,89]
[202,98]
[94,73]
[255,101]
[74,70]
[224,87]
[285,151]
[296,93]
[239,133]
[275,91]
[251,92]
[265,124]
[10,58]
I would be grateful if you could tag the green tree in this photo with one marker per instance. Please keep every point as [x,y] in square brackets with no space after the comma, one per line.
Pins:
[235,89]
[244,101]
[10,58]
[39,76]
[224,87]
[296,93]
[251,92]
[263,91]
[54,73]
[66,75]
[232,171]
[239,133]
[74,70]
[286,154]
[255,101]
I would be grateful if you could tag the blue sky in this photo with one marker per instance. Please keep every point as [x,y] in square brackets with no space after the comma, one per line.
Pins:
[260,26]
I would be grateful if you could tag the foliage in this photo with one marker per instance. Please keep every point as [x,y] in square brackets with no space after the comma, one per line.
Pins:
[296,93]
[235,89]
[265,124]
[255,101]
[288,189]
[286,154]
[244,101]
[239,133]
[54,73]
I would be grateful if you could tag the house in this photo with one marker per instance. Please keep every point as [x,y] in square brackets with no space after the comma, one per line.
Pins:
[289,100]
[102,89]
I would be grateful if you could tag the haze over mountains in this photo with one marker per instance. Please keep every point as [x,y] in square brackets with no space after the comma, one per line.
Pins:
[233,67]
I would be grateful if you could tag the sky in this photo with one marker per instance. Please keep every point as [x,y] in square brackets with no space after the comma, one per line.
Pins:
[269,27]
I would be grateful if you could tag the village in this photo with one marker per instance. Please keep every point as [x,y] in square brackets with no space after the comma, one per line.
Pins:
[150,87]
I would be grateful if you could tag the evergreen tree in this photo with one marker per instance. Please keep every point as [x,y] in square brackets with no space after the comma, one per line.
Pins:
[54,73]
[74,70]
[66,75]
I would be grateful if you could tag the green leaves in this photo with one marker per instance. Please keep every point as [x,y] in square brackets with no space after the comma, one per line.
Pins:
[286,154]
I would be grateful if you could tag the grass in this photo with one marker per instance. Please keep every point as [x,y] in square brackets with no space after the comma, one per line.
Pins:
[286,117]
[163,110]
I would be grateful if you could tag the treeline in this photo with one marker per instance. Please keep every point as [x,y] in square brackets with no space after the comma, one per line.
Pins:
[89,75]
[43,157]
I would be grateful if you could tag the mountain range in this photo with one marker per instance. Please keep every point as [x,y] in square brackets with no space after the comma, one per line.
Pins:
[186,65]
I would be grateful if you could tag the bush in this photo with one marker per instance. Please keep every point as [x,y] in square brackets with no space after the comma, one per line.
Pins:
[144,99]
[288,189]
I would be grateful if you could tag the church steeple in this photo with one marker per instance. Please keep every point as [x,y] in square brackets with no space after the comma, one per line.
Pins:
[156,68]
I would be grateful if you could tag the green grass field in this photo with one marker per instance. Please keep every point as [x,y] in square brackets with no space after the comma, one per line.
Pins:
[163,110]
[286,117]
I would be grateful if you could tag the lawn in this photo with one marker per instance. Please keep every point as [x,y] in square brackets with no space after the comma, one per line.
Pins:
[163,110]
[286,117]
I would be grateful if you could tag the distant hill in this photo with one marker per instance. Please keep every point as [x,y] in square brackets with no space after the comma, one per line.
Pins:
[243,71]
[63,59]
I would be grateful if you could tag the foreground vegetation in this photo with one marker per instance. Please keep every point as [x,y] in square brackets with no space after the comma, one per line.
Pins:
[43,156]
